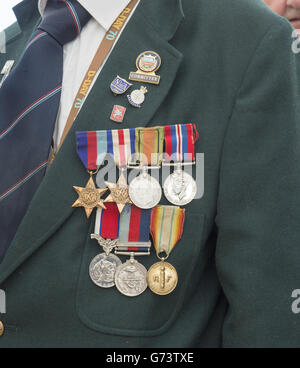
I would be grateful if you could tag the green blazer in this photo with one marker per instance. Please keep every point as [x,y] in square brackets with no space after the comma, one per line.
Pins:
[228,67]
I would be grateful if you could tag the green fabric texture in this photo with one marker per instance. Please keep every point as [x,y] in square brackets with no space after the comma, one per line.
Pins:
[228,67]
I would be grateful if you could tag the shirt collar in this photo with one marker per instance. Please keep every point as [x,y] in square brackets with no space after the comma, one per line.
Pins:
[105,12]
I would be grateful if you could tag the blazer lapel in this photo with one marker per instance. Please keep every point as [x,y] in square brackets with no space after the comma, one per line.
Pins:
[139,35]
[51,206]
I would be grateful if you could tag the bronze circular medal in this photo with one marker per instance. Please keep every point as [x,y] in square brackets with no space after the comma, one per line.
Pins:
[162,278]
[148,62]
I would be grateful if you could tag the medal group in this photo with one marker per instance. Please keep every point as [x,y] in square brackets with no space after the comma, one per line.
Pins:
[130,213]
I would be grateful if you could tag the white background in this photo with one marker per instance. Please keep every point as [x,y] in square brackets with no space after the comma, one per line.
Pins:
[7,16]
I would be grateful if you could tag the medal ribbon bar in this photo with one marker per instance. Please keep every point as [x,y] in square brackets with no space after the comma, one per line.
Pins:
[166,227]
[149,144]
[134,231]
[92,146]
[107,221]
[180,142]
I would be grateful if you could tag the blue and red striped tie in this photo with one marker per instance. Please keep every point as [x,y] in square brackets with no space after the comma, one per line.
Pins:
[29,101]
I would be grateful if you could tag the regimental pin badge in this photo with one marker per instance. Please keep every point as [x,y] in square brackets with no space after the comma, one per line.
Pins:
[118,114]
[119,85]
[148,62]
[137,97]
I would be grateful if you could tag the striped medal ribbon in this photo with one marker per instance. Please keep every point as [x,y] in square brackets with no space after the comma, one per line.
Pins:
[149,144]
[144,190]
[134,240]
[134,232]
[180,188]
[93,146]
[166,229]
[103,267]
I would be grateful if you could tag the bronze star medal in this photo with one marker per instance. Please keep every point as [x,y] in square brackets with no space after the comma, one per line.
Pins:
[118,193]
[89,197]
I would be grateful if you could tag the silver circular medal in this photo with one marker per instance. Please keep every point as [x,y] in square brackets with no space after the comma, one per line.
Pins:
[145,191]
[180,188]
[103,268]
[131,278]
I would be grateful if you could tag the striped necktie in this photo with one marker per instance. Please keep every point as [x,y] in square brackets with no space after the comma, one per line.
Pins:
[29,102]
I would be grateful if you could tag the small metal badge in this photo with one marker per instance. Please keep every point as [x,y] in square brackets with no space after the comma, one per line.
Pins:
[148,62]
[137,97]
[118,114]
[119,85]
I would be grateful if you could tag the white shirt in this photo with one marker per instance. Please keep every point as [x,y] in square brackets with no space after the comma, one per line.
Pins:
[79,53]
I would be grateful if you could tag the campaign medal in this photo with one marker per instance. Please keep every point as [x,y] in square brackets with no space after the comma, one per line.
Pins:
[89,196]
[137,97]
[103,267]
[118,192]
[131,276]
[162,278]
[144,190]
[166,230]
[180,188]
[122,144]
[147,63]
[119,86]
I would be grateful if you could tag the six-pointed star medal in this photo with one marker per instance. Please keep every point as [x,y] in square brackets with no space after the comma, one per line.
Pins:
[118,193]
[89,197]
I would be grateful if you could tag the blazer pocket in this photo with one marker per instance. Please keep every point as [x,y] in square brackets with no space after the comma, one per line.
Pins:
[108,311]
